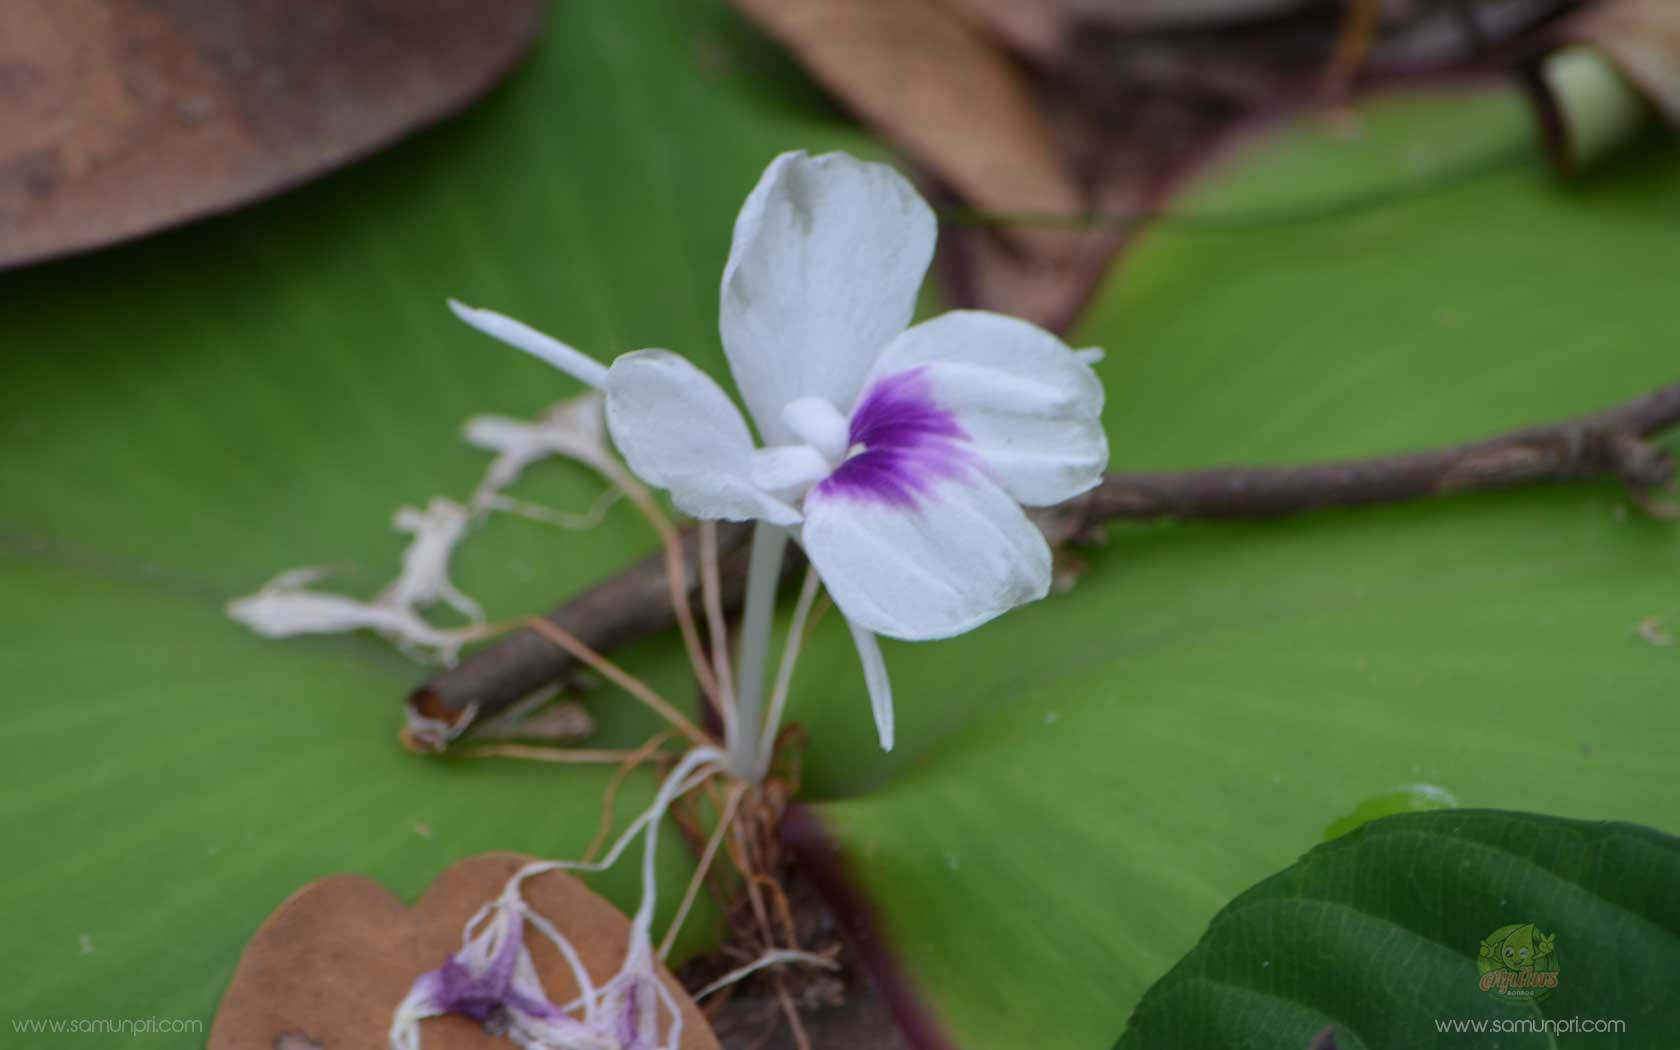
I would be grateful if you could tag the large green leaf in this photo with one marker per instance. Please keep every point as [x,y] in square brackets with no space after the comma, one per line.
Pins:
[1078,787]
[1380,935]
[1081,785]
[186,417]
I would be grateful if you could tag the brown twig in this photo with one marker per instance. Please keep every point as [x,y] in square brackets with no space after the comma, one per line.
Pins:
[1354,43]
[1605,444]
[571,756]
[636,603]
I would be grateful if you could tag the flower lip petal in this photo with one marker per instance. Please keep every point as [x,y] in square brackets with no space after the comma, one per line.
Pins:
[828,255]
[932,564]
[908,444]
[1029,407]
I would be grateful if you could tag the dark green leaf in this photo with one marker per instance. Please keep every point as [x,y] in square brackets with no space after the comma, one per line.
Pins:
[1381,934]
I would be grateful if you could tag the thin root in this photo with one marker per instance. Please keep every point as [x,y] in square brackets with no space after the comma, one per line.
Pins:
[676,577]
[610,795]
[561,755]
[620,677]
[800,1039]
[725,818]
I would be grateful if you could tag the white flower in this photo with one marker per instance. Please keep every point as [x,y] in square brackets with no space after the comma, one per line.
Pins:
[899,456]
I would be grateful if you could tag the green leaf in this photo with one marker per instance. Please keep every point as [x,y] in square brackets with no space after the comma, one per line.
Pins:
[188,416]
[1077,788]
[1081,785]
[1381,933]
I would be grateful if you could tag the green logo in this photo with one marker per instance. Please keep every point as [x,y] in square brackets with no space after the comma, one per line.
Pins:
[1518,963]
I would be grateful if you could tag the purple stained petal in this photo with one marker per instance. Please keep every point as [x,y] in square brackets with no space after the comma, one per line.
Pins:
[460,991]
[455,988]
[909,444]
[629,1025]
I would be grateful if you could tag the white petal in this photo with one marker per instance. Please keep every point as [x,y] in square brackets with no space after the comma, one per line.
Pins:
[680,432]
[788,467]
[520,335]
[962,554]
[875,680]
[829,253]
[1030,405]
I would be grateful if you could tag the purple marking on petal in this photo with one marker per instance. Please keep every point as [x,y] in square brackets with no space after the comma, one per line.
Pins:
[455,988]
[909,444]
[541,1009]
[462,992]
[629,1020]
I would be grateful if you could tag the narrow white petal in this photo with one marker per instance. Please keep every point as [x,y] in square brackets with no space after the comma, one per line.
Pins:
[1091,355]
[1031,408]
[788,467]
[569,360]
[875,680]
[959,556]
[679,431]
[828,255]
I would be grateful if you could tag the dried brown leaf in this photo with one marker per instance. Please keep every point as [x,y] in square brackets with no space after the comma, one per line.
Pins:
[945,91]
[938,87]
[1040,29]
[1642,37]
[331,964]
[1035,28]
[1175,14]
[121,117]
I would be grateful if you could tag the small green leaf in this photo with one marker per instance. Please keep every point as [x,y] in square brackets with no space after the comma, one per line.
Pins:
[1381,934]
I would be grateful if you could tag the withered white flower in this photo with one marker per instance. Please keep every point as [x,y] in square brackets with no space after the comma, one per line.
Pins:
[493,977]
[575,428]
[424,580]
[286,606]
[900,457]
